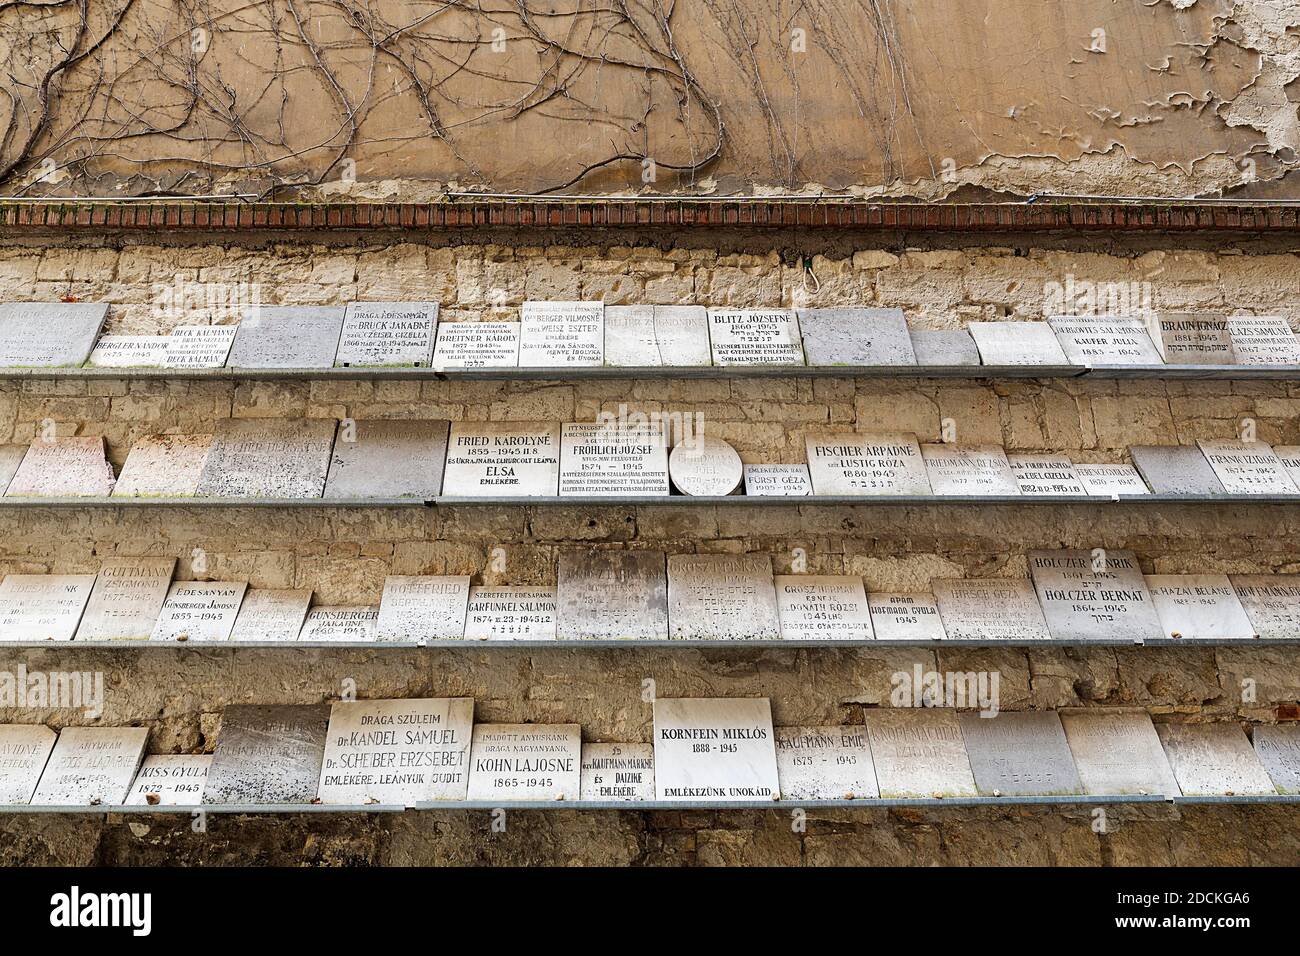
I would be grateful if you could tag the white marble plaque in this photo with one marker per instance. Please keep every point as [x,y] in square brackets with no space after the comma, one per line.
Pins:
[822,607]
[1278,749]
[477,345]
[1289,456]
[268,458]
[1046,474]
[855,337]
[618,772]
[199,346]
[1193,338]
[271,614]
[267,754]
[127,599]
[969,470]
[714,750]
[49,334]
[702,466]
[1175,470]
[387,459]
[1016,343]
[199,611]
[612,595]
[163,466]
[510,614]
[825,763]
[502,460]
[613,459]
[63,468]
[990,609]
[1117,752]
[24,749]
[919,752]
[755,337]
[387,334]
[1094,595]
[91,766]
[1247,467]
[1105,339]
[423,607]
[42,607]
[1271,602]
[721,597]
[562,335]
[293,336]
[646,336]
[1198,606]
[11,456]
[397,752]
[1214,760]
[129,351]
[905,616]
[340,624]
[777,481]
[170,780]
[850,463]
[1020,754]
[1263,340]
[510,762]
[1111,481]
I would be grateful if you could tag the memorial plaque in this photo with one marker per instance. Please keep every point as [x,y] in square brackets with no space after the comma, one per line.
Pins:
[1192,338]
[423,607]
[91,767]
[163,466]
[645,336]
[822,607]
[292,336]
[199,346]
[268,754]
[613,459]
[271,614]
[1278,749]
[199,611]
[1271,602]
[936,348]
[856,337]
[42,607]
[777,481]
[1247,467]
[1263,340]
[1199,606]
[919,753]
[755,337]
[1289,456]
[1016,343]
[340,624]
[1117,752]
[387,334]
[612,595]
[397,752]
[722,597]
[24,749]
[126,600]
[825,763]
[969,470]
[618,772]
[525,762]
[477,345]
[1175,470]
[714,750]
[562,335]
[905,616]
[49,334]
[1087,596]
[129,351]
[502,460]
[1105,340]
[11,456]
[63,468]
[1213,760]
[990,609]
[170,780]
[510,614]
[701,466]
[1020,754]
[387,459]
[850,463]
[1111,481]
[1046,474]
[268,458]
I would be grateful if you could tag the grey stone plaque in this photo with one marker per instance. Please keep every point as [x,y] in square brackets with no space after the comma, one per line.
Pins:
[63,468]
[1020,754]
[510,762]
[340,624]
[271,614]
[777,481]
[755,337]
[714,750]
[170,780]
[477,345]
[618,772]
[24,750]
[397,752]
[129,351]
[49,334]
[969,470]
[42,607]
[1247,467]
[268,754]
[1271,602]
[510,614]
[562,335]
[1199,606]
[612,595]
[1214,760]
[939,347]
[91,766]
[11,456]
[613,459]
[1118,753]
[127,599]
[646,336]
[388,459]
[423,607]
[199,346]
[990,609]
[502,460]
[1112,481]
[822,607]
[163,466]
[721,597]
[1278,749]
[293,336]
[856,337]
[1105,340]
[387,334]
[1046,474]
[919,752]
[1175,470]
[1263,340]
[1094,595]
[199,611]
[825,763]
[1016,343]
[850,463]
[268,458]
[905,616]
[705,466]
[1193,338]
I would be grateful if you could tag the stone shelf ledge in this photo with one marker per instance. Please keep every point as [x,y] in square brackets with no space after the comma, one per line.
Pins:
[630,643]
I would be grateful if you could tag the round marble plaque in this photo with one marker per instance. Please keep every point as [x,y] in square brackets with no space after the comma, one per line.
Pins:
[705,466]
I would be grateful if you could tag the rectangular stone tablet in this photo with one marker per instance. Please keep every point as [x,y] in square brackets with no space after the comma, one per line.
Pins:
[510,614]
[1263,340]
[1214,760]
[268,754]
[1111,480]
[390,334]
[618,772]
[1271,602]
[11,456]
[199,611]
[990,609]
[647,336]
[777,481]
[562,335]
[126,600]
[1202,606]
[340,624]
[129,351]
[510,762]
[1016,343]
[881,463]
[919,752]
[423,607]
[969,470]
[91,766]
[1176,470]
[822,607]
[1045,474]
[1194,338]
[1020,754]
[49,334]
[163,466]
[755,337]
[63,468]
[1094,595]
[856,337]
[825,763]
[612,595]
[721,597]
[268,458]
[397,752]
[170,780]
[502,459]
[199,346]
[904,616]
[1105,340]
[613,459]
[387,459]
[24,750]
[476,345]
[291,336]
[1117,753]
[936,348]
[1289,456]
[714,750]
[271,614]
[1278,749]
[1247,467]
[42,607]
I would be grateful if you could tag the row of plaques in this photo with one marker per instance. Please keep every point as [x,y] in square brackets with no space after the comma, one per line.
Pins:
[591,334]
[1073,596]
[409,752]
